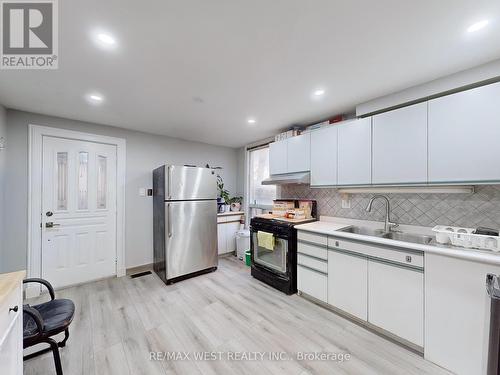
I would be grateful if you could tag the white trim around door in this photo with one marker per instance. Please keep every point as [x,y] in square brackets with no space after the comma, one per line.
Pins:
[36,134]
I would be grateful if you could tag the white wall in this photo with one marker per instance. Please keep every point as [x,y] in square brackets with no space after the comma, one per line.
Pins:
[485,73]
[241,170]
[3,133]
[144,153]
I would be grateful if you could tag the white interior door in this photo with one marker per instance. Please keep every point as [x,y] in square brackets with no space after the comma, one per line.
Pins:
[78,211]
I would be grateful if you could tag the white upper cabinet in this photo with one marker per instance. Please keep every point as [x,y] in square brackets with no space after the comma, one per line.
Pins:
[464,134]
[290,155]
[400,146]
[355,152]
[278,157]
[299,153]
[324,156]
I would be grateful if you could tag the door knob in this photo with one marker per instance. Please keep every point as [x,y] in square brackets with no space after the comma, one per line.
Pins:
[49,213]
[50,224]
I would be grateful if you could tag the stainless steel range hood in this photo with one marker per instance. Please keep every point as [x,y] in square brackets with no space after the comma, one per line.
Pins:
[289,178]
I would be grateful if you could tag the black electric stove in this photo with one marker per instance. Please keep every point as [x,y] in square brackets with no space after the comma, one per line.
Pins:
[277,267]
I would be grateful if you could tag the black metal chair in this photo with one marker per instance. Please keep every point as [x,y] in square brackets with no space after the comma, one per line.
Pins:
[41,322]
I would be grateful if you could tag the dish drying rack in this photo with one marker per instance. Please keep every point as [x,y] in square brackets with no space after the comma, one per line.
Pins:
[465,237]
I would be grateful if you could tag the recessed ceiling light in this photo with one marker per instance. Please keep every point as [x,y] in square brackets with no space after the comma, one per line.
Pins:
[106,39]
[319,92]
[477,26]
[251,121]
[95,98]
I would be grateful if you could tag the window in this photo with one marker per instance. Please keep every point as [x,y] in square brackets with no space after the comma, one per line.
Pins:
[101,182]
[259,196]
[83,180]
[62,180]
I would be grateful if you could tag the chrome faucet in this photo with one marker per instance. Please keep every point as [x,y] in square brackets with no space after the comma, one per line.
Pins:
[388,225]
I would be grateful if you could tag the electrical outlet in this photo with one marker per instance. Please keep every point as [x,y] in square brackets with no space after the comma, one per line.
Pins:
[346,201]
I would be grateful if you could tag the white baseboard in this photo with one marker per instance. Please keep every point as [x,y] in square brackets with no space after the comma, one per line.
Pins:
[121,272]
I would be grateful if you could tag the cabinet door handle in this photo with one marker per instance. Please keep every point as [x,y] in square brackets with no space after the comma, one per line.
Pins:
[15,309]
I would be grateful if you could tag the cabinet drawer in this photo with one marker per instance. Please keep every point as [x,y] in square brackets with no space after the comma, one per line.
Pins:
[408,258]
[312,282]
[313,238]
[6,317]
[314,263]
[312,250]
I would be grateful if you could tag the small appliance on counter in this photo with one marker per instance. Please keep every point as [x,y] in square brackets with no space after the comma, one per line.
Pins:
[185,221]
[273,242]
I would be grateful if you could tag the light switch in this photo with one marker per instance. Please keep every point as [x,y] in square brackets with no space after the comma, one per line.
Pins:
[142,192]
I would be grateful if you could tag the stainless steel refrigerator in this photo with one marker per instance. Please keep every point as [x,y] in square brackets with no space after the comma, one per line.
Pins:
[185,221]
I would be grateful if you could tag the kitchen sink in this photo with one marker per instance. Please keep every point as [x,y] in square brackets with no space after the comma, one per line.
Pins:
[397,236]
[408,237]
[364,231]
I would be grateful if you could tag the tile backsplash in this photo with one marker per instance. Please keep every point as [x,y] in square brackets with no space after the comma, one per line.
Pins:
[482,208]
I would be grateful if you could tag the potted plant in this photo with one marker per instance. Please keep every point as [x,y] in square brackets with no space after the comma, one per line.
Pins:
[223,194]
[235,203]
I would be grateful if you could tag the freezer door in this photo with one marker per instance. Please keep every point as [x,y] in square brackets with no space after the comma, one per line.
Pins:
[190,236]
[185,183]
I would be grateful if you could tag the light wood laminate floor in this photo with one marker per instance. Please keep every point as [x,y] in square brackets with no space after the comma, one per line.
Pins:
[120,321]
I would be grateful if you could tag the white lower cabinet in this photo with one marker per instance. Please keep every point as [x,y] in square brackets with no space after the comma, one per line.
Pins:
[312,282]
[221,239]
[231,229]
[11,325]
[396,300]
[227,226]
[11,349]
[457,313]
[347,283]
[380,285]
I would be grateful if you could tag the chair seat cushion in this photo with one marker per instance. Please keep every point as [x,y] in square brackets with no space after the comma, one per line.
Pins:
[56,314]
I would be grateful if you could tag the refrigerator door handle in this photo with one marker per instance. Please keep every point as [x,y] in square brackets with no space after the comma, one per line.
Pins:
[169,222]
[169,182]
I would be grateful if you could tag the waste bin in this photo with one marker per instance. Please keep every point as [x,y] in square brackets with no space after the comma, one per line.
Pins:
[493,288]
[242,243]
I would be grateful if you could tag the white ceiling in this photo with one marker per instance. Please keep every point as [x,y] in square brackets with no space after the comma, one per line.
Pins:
[253,58]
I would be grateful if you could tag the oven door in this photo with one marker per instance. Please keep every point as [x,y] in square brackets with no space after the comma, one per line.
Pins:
[276,259]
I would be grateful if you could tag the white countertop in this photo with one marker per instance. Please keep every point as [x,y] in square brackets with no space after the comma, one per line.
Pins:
[331,226]
[8,282]
[230,213]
